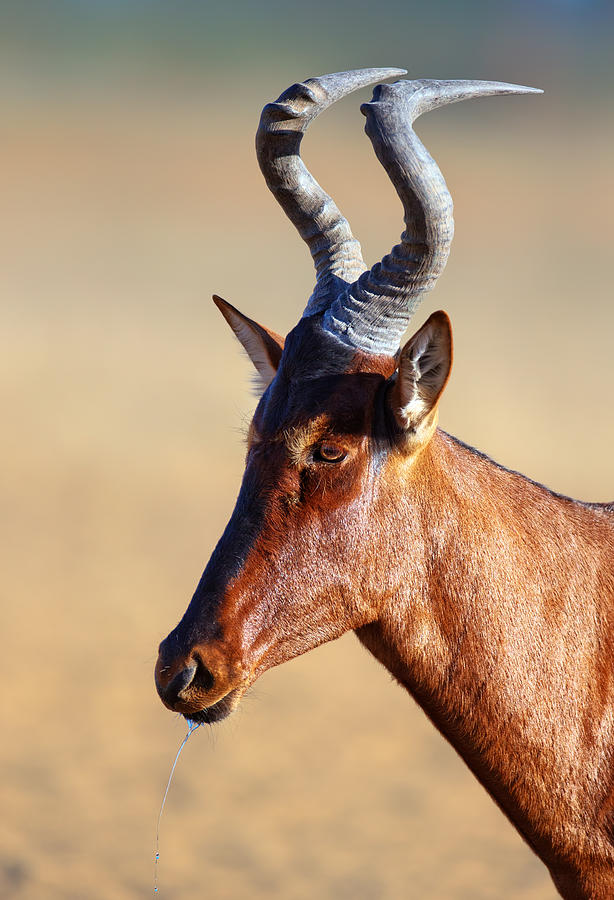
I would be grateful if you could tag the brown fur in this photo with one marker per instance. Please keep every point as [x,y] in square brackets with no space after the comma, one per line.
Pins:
[488,597]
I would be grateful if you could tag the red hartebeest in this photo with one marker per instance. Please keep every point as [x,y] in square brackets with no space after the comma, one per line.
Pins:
[489,597]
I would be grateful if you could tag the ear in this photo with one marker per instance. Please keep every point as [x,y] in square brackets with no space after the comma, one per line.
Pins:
[423,372]
[263,347]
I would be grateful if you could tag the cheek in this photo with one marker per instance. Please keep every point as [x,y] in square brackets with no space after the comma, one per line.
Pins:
[316,531]
[325,553]
[333,487]
[309,553]
[301,586]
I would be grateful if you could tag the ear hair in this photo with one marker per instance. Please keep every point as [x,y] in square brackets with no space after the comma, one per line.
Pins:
[264,347]
[423,372]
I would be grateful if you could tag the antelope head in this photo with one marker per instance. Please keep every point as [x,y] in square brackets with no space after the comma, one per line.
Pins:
[339,435]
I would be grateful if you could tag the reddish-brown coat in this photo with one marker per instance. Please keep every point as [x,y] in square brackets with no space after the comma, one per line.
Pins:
[488,597]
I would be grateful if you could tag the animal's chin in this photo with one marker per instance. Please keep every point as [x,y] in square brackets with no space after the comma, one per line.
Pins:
[219,710]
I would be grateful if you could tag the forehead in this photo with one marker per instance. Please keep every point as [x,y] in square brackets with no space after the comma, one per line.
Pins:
[341,403]
[321,385]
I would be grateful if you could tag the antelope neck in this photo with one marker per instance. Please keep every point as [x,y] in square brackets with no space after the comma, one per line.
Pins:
[497,662]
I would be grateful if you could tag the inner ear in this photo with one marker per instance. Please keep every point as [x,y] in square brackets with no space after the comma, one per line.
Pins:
[423,372]
[263,346]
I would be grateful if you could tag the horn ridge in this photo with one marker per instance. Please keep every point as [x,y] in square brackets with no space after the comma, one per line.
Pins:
[373,312]
[336,253]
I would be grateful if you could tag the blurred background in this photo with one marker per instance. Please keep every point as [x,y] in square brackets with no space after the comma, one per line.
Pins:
[130,193]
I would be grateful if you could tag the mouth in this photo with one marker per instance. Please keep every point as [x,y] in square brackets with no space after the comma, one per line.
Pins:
[219,710]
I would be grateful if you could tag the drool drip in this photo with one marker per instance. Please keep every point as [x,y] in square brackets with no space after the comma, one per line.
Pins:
[192,726]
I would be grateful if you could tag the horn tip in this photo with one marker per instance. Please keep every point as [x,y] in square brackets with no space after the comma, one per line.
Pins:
[522,89]
[497,87]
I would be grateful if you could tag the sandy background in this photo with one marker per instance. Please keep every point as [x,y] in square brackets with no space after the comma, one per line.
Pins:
[130,193]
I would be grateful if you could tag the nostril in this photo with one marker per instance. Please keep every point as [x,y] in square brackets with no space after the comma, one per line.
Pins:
[194,677]
[202,677]
[180,682]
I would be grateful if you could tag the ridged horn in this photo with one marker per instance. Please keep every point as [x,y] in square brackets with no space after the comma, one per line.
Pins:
[336,253]
[373,313]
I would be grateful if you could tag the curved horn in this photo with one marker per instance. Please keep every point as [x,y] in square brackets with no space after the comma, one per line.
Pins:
[335,252]
[373,313]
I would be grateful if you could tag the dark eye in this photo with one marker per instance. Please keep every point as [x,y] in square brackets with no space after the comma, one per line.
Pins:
[328,452]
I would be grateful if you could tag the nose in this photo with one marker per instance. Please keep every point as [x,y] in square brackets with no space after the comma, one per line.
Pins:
[176,685]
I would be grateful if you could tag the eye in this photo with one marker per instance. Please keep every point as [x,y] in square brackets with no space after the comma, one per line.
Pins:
[328,452]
